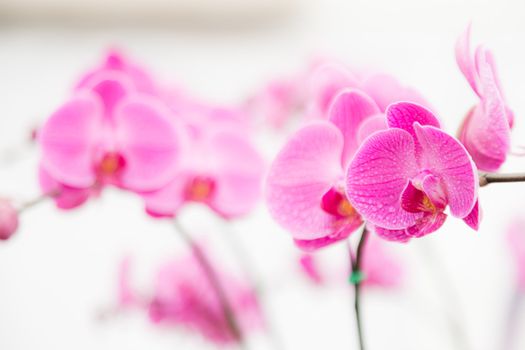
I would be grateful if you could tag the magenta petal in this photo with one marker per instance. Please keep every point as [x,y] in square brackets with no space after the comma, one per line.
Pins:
[486,132]
[167,201]
[392,235]
[68,197]
[371,125]
[348,110]
[385,89]
[474,217]
[315,244]
[412,199]
[304,170]
[403,115]
[68,139]
[446,158]
[378,175]
[111,87]
[427,224]
[149,142]
[465,60]
[239,170]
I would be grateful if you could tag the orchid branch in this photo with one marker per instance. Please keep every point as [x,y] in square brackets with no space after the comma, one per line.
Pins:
[356,278]
[215,284]
[488,178]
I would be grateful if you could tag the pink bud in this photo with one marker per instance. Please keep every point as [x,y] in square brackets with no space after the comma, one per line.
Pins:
[8,219]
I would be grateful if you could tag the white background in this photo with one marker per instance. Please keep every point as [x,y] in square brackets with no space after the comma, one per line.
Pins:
[58,273]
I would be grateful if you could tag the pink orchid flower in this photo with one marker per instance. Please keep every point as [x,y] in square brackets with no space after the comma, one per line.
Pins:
[485,132]
[516,240]
[380,267]
[329,79]
[305,186]
[184,297]
[8,219]
[223,171]
[402,179]
[109,134]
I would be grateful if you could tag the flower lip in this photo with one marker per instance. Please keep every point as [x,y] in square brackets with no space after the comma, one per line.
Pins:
[199,189]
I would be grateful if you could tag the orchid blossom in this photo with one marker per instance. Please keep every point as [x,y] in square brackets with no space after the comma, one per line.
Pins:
[485,131]
[402,179]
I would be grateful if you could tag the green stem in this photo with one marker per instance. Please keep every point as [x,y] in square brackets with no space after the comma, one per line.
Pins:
[356,279]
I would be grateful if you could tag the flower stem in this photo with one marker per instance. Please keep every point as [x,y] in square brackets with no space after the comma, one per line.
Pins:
[356,279]
[488,178]
[215,284]
[36,201]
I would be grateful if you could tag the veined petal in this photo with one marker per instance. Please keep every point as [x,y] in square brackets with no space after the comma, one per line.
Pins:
[446,158]
[150,143]
[474,217]
[392,235]
[377,176]
[315,244]
[304,170]
[68,139]
[427,224]
[349,109]
[403,115]
[465,60]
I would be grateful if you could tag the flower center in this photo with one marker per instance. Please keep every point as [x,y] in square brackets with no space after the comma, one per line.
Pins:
[199,189]
[335,203]
[111,164]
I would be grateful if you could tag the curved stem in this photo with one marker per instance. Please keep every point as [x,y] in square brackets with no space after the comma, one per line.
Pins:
[488,178]
[245,260]
[35,201]
[356,279]
[215,284]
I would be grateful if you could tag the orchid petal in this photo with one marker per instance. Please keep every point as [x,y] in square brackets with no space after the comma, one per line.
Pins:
[348,110]
[371,125]
[67,197]
[149,142]
[474,217]
[68,138]
[446,158]
[378,175]
[465,60]
[305,169]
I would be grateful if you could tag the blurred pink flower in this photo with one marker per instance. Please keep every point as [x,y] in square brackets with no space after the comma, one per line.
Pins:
[485,131]
[516,240]
[183,297]
[109,133]
[8,219]
[305,185]
[381,268]
[401,179]
[223,171]
[330,78]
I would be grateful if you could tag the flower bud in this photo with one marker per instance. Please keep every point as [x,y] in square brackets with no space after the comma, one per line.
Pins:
[8,219]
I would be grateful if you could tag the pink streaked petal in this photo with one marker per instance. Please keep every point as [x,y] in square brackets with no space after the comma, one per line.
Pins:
[413,199]
[465,60]
[474,217]
[385,89]
[371,125]
[68,139]
[347,227]
[349,109]
[239,170]
[149,142]
[68,197]
[427,224]
[327,81]
[446,158]
[488,130]
[403,115]
[378,175]
[304,170]
[400,236]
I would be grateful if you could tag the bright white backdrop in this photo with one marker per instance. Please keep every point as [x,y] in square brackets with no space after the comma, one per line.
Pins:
[59,272]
